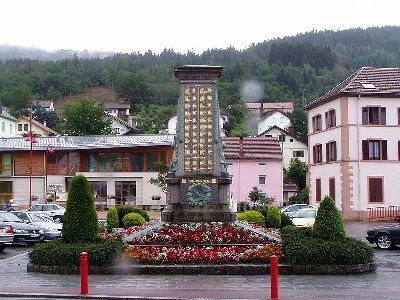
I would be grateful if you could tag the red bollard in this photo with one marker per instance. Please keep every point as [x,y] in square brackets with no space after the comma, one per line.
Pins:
[274,277]
[84,273]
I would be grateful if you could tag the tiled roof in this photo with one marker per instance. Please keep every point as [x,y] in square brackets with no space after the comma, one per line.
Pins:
[6,115]
[253,148]
[86,142]
[117,106]
[277,105]
[40,125]
[367,81]
[253,105]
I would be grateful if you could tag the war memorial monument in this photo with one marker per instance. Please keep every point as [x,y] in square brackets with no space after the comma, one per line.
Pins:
[198,184]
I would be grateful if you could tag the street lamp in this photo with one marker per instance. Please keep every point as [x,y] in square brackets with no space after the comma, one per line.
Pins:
[32,140]
[48,150]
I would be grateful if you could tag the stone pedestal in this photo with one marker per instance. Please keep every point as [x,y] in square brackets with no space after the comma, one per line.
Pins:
[198,185]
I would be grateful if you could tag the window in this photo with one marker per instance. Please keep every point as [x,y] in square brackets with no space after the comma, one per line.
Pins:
[282,137]
[331,151]
[330,118]
[125,193]
[99,190]
[318,189]
[374,149]
[262,179]
[317,123]
[375,189]
[398,116]
[317,154]
[298,153]
[116,130]
[26,127]
[291,140]
[6,164]
[11,128]
[19,127]
[262,165]
[374,115]
[332,188]
[3,126]
[229,165]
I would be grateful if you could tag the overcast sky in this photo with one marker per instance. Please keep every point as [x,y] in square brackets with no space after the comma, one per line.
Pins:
[139,25]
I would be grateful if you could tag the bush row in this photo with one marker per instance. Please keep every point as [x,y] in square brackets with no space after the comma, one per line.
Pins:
[302,247]
[58,253]
[124,210]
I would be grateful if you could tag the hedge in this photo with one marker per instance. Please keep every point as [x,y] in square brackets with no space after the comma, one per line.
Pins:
[274,217]
[112,218]
[303,248]
[124,210]
[328,222]
[252,216]
[133,219]
[58,253]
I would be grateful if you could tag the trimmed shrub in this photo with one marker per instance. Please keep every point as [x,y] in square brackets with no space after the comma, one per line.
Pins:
[301,248]
[274,217]
[252,216]
[264,212]
[124,210]
[133,219]
[112,218]
[58,253]
[328,222]
[80,224]
[285,220]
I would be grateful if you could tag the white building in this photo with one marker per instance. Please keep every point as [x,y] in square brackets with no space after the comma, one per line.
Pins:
[290,146]
[271,119]
[354,142]
[118,109]
[8,124]
[121,127]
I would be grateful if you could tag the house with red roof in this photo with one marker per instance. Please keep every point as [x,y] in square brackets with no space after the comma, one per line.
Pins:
[23,128]
[254,161]
[354,142]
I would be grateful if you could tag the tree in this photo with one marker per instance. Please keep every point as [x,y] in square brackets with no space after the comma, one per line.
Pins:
[298,119]
[80,222]
[153,117]
[133,88]
[42,115]
[328,222]
[296,173]
[162,169]
[86,118]
[256,196]
[18,97]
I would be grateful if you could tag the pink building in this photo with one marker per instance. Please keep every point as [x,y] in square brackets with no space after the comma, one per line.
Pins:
[254,161]
[354,142]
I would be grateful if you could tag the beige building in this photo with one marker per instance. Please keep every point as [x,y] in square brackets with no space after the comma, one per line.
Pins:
[23,128]
[354,142]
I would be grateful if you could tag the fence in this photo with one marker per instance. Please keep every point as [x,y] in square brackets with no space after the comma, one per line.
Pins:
[383,212]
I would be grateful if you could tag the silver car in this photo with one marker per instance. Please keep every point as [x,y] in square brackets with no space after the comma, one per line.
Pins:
[53,210]
[6,236]
[291,209]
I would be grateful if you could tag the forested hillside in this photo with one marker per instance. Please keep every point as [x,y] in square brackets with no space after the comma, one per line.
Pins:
[299,68]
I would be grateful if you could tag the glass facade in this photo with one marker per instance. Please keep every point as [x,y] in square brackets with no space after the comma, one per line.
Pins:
[125,193]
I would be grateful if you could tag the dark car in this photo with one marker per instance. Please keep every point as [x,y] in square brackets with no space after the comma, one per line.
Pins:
[384,237]
[25,233]
[397,218]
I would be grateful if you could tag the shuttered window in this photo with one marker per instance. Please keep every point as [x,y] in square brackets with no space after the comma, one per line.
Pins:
[330,118]
[374,115]
[374,149]
[375,186]
[317,154]
[318,189]
[317,123]
[330,151]
[332,188]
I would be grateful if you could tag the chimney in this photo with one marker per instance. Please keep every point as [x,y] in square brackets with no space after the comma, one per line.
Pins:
[241,151]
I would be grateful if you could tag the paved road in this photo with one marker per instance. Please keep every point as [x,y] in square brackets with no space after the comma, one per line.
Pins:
[382,284]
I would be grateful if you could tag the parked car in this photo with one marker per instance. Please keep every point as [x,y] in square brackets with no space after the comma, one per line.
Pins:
[397,218]
[6,236]
[26,233]
[304,217]
[51,229]
[384,237]
[291,209]
[53,210]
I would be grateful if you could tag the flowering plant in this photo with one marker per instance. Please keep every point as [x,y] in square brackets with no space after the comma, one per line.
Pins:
[262,254]
[125,232]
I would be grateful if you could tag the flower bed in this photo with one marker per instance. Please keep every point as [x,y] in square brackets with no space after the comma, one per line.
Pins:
[199,233]
[122,233]
[202,255]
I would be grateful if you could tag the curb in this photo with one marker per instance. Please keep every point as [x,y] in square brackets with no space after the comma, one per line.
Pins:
[228,269]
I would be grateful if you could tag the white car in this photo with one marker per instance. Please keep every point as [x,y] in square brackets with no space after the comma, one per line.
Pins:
[304,217]
[51,229]
[52,210]
[291,209]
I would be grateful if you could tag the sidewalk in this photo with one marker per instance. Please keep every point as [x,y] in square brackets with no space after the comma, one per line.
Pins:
[15,281]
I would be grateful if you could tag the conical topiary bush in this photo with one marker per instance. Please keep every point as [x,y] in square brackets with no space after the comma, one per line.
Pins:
[80,219]
[328,223]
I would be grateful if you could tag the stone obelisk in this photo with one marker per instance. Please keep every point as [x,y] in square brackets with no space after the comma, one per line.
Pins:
[198,185]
